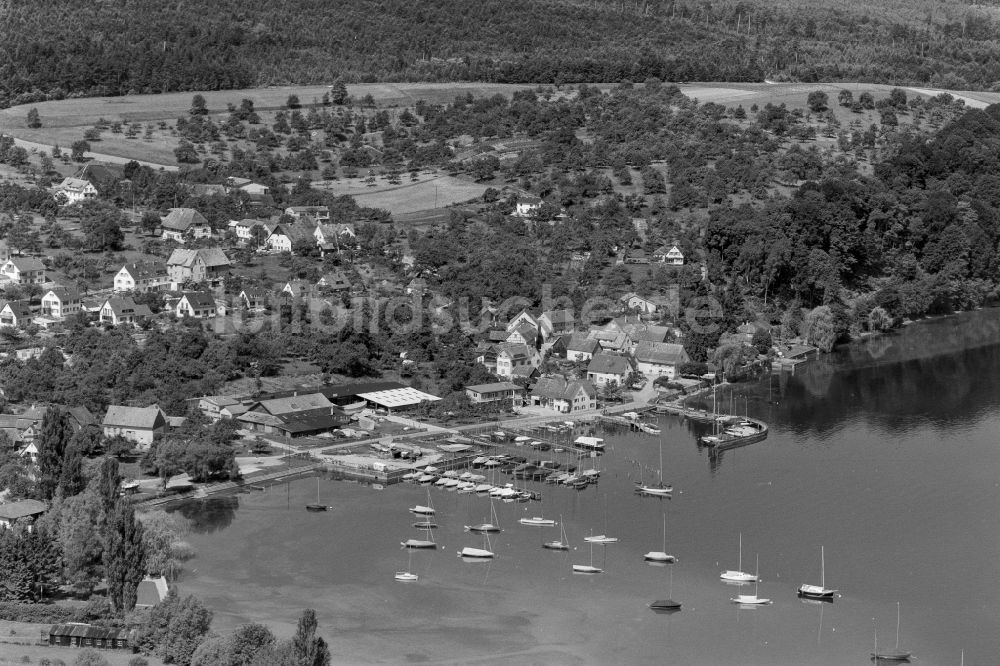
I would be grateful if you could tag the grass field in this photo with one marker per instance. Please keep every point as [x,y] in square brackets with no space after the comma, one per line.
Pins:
[427,194]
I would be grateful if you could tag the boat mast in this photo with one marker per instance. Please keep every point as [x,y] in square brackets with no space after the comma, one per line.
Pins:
[897,626]
[822,568]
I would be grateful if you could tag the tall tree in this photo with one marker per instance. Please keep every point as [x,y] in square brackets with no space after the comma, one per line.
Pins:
[71,480]
[309,649]
[124,556]
[55,435]
[109,483]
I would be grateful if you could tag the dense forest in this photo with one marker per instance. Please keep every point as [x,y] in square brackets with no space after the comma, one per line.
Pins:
[55,49]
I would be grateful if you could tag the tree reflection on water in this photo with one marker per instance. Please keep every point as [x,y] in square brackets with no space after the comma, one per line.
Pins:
[210,514]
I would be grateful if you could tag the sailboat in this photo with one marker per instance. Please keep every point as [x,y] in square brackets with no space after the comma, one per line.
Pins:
[667,605]
[818,591]
[739,576]
[422,510]
[406,576]
[427,543]
[661,555]
[602,538]
[659,488]
[890,655]
[751,600]
[317,506]
[588,568]
[478,553]
[493,526]
[563,542]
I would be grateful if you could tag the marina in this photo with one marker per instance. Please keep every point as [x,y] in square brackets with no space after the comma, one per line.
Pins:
[884,437]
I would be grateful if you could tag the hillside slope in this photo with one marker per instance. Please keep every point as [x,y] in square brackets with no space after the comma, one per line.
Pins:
[92,47]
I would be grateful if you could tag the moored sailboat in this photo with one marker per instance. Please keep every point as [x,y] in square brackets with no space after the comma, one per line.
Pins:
[751,600]
[890,655]
[818,591]
[563,542]
[738,576]
[424,510]
[661,555]
[588,568]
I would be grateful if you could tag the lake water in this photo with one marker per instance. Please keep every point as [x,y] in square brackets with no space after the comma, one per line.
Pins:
[885,452]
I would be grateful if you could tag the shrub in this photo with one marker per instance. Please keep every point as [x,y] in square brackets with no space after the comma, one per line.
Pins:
[90,657]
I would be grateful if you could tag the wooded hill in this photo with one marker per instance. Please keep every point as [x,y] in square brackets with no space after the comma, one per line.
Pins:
[59,48]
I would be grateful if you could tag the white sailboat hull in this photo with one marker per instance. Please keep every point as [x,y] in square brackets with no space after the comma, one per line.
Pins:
[422,510]
[586,569]
[417,543]
[537,522]
[475,552]
[738,576]
[658,556]
[816,592]
[600,538]
[750,600]
[484,527]
[406,576]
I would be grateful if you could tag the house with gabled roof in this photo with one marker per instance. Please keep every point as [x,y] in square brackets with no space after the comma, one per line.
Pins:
[183,223]
[141,277]
[333,237]
[76,190]
[284,237]
[15,313]
[209,264]
[525,334]
[22,512]
[605,367]
[255,298]
[564,396]
[334,281]
[522,317]
[291,404]
[61,302]
[515,355]
[553,323]
[196,304]
[24,270]
[298,289]
[119,310]
[581,348]
[660,359]
[136,424]
[669,254]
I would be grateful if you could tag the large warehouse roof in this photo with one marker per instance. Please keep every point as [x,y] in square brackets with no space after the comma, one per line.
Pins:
[399,397]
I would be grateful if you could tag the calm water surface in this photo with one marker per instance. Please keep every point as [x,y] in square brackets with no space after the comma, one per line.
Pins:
[885,452]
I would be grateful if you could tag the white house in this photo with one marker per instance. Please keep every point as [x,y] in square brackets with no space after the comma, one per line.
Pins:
[284,236]
[554,323]
[513,356]
[61,302]
[522,318]
[24,270]
[76,190]
[208,264]
[660,359]
[581,348]
[562,396]
[669,254]
[136,424]
[15,313]
[119,310]
[507,392]
[141,277]
[21,512]
[183,223]
[527,205]
[604,368]
[333,237]
[196,304]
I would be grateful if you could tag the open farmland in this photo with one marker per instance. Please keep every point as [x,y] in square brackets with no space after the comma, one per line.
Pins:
[426,194]
[65,121]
